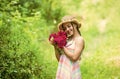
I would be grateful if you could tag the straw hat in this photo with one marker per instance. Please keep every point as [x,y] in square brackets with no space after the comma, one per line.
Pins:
[67,19]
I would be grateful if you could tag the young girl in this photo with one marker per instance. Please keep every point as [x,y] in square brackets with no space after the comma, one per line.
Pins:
[69,56]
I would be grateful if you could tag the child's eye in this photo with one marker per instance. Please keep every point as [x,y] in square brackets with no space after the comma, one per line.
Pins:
[68,25]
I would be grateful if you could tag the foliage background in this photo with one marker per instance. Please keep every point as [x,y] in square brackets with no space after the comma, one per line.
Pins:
[25,25]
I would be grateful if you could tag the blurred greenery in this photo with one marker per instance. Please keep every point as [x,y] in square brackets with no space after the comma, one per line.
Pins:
[25,25]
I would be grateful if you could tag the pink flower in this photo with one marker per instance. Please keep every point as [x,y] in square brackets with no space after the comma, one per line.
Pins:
[59,38]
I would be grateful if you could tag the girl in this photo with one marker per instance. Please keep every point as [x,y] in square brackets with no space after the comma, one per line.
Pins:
[69,56]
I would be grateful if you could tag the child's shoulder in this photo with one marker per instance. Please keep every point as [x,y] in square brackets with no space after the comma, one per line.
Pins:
[79,41]
[79,38]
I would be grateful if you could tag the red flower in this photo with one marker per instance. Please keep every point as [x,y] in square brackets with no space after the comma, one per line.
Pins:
[59,38]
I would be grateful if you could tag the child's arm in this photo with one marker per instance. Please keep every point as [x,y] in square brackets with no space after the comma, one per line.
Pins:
[57,53]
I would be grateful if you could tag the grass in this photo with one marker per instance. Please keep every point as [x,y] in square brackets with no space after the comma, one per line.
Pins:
[100,59]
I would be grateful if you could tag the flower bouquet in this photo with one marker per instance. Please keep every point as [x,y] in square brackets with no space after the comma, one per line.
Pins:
[59,38]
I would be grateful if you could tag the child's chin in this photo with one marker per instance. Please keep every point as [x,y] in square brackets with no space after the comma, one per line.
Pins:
[69,36]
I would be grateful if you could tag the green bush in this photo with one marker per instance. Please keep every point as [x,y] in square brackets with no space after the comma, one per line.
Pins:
[18,58]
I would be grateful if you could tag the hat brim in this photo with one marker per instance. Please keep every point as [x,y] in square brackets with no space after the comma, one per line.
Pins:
[74,21]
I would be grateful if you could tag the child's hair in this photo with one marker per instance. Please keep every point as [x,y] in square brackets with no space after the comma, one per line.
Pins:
[76,27]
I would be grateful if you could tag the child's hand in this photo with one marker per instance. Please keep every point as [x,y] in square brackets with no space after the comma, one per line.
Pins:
[52,41]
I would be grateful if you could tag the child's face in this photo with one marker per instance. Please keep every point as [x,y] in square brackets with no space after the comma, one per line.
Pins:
[68,28]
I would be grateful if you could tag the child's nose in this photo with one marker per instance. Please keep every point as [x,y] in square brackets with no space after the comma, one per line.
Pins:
[67,29]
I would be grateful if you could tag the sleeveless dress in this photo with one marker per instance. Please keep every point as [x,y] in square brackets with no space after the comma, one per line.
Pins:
[68,69]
